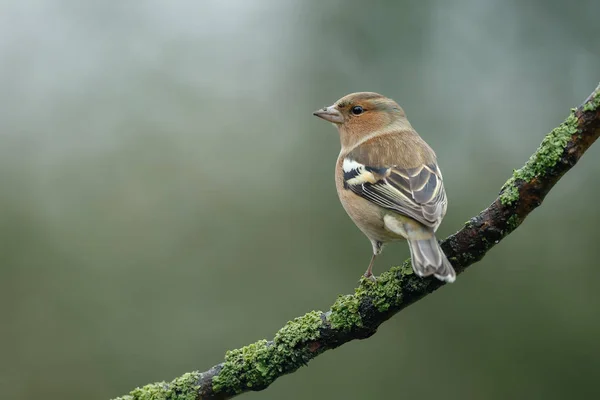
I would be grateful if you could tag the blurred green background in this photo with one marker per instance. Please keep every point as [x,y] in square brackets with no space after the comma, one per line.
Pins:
[167,194]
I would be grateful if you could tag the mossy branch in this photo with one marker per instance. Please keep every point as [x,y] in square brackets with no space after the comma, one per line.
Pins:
[357,316]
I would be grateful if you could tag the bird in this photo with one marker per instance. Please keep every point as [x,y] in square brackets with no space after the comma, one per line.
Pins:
[388,180]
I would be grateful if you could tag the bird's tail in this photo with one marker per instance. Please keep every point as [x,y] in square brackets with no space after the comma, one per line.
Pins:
[428,258]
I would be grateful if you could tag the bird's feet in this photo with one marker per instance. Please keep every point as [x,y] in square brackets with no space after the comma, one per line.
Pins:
[369,275]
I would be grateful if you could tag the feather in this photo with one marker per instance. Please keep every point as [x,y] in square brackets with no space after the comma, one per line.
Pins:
[414,192]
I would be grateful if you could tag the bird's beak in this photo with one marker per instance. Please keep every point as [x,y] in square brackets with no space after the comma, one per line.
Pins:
[331,114]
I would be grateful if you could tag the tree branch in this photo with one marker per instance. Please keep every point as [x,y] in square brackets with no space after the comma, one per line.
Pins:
[358,316]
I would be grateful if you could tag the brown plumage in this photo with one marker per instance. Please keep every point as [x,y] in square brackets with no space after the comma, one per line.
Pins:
[388,180]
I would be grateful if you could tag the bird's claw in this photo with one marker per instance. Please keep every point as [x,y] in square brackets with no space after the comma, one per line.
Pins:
[370,277]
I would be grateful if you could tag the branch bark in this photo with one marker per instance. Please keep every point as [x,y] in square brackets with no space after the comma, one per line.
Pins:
[357,316]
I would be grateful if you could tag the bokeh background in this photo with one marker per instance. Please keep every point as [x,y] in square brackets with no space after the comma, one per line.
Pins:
[166,194]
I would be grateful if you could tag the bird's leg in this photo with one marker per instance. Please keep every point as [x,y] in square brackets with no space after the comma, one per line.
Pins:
[369,272]
[377,248]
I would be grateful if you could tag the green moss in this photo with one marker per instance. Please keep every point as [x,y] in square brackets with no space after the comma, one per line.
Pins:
[183,388]
[299,330]
[406,268]
[513,222]
[259,364]
[344,313]
[546,157]
[385,292]
[510,193]
[244,368]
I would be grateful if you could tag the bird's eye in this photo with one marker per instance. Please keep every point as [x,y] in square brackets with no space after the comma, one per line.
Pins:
[357,110]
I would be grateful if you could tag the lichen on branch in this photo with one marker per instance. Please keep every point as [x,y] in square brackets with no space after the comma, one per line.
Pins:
[259,364]
[545,158]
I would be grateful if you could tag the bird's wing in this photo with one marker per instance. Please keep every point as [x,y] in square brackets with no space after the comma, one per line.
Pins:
[415,192]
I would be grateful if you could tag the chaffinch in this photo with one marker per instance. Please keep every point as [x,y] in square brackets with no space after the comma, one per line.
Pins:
[388,180]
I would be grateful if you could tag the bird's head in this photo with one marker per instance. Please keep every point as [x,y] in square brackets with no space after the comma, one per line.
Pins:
[359,114]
